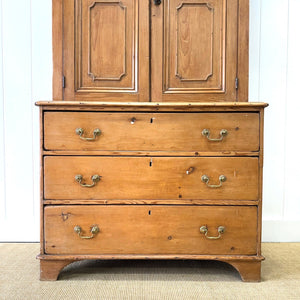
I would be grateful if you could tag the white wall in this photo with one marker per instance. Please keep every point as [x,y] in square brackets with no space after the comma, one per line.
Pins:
[25,77]
[274,72]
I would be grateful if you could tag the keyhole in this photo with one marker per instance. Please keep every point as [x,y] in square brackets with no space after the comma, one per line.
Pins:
[151,120]
[149,212]
[150,164]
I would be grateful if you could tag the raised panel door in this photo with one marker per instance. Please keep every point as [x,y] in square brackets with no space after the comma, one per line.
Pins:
[106,50]
[194,50]
[179,51]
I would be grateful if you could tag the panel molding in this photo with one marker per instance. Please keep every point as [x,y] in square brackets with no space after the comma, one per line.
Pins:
[220,86]
[211,10]
[111,84]
[90,73]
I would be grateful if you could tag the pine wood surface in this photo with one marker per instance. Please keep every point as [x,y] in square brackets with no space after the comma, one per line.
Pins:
[104,60]
[150,153]
[151,78]
[76,257]
[243,50]
[248,271]
[249,267]
[151,178]
[152,131]
[49,269]
[194,47]
[196,50]
[57,49]
[150,230]
[152,106]
[152,202]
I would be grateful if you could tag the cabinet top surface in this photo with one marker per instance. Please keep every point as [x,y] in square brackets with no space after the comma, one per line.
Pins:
[150,105]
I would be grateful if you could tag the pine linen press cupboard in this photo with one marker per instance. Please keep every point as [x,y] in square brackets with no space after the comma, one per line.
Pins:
[149,149]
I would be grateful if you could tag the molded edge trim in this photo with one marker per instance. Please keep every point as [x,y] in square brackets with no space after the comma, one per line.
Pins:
[153,256]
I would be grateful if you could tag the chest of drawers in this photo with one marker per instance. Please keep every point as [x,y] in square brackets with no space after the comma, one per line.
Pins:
[151,181]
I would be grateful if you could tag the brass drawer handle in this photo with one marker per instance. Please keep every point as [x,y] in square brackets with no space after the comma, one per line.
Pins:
[95,179]
[223,133]
[80,132]
[205,179]
[221,230]
[94,230]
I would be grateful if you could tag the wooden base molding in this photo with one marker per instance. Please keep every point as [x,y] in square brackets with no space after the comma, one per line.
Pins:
[250,271]
[50,269]
[249,267]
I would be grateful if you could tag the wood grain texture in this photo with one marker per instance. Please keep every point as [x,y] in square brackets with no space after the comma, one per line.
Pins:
[127,182]
[150,153]
[105,49]
[248,266]
[152,106]
[194,41]
[194,51]
[142,131]
[250,258]
[260,182]
[41,180]
[57,49]
[150,230]
[243,50]
[105,40]
[151,178]
[194,56]
[105,33]
[197,50]
[153,202]
[50,269]
[249,271]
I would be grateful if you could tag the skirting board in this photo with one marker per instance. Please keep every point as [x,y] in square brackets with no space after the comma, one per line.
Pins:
[280,231]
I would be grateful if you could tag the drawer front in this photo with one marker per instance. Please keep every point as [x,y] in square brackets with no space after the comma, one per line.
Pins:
[151,131]
[150,230]
[144,178]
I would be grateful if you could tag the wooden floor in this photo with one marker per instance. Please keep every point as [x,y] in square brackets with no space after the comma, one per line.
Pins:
[157,280]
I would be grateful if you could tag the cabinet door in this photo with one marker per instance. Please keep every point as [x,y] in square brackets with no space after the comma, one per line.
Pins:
[194,50]
[105,50]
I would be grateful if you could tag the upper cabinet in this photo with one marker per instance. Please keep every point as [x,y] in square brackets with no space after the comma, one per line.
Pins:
[140,50]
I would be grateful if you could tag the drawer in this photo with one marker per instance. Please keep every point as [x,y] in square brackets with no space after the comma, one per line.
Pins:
[151,131]
[150,229]
[145,178]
